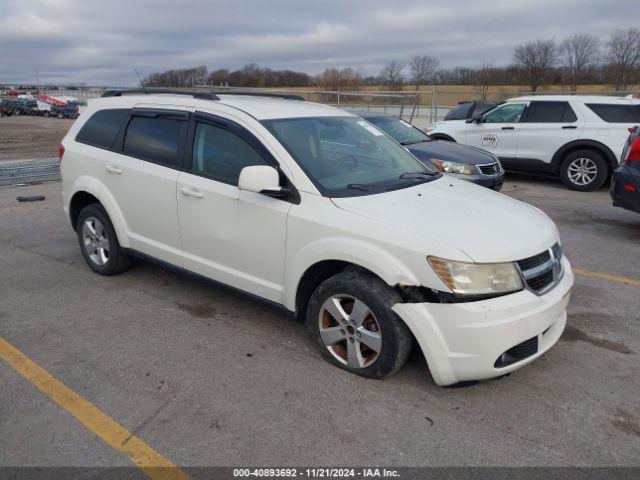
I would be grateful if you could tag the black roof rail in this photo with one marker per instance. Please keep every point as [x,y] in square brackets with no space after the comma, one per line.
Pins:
[152,91]
[251,93]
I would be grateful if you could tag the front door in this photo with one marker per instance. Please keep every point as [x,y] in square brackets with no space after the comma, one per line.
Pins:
[230,235]
[497,130]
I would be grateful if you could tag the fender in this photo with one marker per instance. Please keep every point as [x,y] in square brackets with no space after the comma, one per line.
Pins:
[375,259]
[96,188]
[610,157]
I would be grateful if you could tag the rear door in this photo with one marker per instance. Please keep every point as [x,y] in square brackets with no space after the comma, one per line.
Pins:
[142,174]
[545,127]
[497,130]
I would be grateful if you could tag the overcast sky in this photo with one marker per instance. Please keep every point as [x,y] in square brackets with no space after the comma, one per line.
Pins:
[101,42]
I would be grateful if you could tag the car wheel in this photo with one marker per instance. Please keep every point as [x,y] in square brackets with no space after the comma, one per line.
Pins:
[584,170]
[350,318]
[60,115]
[99,243]
[46,113]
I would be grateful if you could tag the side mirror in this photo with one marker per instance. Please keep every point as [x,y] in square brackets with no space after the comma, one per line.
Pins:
[262,179]
[473,120]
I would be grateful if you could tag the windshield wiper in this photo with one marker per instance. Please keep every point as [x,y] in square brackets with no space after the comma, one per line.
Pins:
[358,186]
[417,175]
[413,142]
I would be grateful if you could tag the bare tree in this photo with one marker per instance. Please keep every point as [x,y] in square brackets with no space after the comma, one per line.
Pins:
[482,78]
[578,52]
[333,79]
[423,68]
[391,75]
[624,54]
[535,59]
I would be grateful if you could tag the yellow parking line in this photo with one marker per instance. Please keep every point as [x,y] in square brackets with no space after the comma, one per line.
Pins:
[606,276]
[115,435]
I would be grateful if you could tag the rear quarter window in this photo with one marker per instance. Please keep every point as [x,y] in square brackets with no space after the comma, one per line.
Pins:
[616,113]
[102,128]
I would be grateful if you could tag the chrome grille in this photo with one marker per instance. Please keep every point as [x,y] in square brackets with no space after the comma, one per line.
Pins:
[543,271]
[490,168]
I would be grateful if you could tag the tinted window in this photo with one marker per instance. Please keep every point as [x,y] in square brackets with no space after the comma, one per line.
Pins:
[459,112]
[221,154]
[505,113]
[347,156]
[102,128]
[550,112]
[154,138]
[616,113]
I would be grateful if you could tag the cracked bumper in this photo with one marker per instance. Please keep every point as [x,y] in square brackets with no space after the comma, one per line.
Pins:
[462,341]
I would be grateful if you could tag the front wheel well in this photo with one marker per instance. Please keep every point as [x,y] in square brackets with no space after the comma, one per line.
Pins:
[78,202]
[315,275]
[442,136]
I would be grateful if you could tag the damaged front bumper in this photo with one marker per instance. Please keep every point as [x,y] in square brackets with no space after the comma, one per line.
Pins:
[488,338]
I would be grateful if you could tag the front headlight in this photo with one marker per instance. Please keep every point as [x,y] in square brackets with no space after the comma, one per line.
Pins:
[453,167]
[477,278]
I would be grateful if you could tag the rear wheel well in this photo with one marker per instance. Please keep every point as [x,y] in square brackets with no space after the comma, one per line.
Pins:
[78,202]
[603,150]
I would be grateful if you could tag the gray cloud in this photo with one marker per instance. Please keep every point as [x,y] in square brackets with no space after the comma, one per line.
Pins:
[101,42]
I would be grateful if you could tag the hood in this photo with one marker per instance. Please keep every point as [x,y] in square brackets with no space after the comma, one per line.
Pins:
[451,151]
[487,226]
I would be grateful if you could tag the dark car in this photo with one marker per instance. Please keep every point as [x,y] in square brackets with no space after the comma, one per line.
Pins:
[467,163]
[27,106]
[69,110]
[625,181]
[8,108]
[470,109]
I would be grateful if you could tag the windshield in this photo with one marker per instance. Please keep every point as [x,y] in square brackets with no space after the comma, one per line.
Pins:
[347,156]
[401,131]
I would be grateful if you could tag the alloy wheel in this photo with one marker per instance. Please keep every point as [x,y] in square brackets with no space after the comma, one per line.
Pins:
[582,171]
[350,331]
[95,241]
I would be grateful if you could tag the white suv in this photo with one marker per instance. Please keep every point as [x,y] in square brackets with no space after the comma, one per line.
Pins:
[580,138]
[314,209]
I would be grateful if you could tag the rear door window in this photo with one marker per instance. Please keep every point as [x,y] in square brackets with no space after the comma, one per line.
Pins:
[102,127]
[157,139]
[616,113]
[550,112]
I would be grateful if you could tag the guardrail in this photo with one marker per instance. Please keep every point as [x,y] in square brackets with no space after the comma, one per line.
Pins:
[29,171]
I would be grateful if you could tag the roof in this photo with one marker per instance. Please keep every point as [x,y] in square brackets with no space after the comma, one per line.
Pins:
[261,108]
[578,98]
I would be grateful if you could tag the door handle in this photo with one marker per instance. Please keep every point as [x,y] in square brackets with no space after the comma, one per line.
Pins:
[507,128]
[191,192]
[113,169]
[567,127]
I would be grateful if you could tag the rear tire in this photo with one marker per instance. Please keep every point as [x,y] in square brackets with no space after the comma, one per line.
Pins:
[98,242]
[60,115]
[46,113]
[584,170]
[362,335]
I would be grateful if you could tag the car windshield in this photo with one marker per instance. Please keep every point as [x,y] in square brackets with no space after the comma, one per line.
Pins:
[348,156]
[401,131]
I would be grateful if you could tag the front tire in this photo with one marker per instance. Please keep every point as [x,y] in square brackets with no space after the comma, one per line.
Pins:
[584,170]
[349,317]
[98,242]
